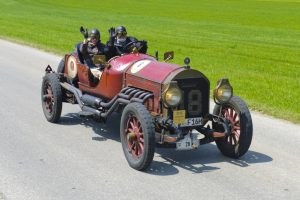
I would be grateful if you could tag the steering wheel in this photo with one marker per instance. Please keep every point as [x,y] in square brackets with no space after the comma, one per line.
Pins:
[139,44]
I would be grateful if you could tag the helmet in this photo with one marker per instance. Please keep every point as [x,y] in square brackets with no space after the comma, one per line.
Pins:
[121,29]
[121,34]
[94,35]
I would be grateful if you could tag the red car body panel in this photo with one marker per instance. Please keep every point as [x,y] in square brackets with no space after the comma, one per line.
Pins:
[135,70]
[129,70]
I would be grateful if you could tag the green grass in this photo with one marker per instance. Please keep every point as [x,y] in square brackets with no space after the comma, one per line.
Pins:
[256,44]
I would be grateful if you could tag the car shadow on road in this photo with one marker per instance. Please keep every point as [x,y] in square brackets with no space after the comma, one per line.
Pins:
[200,160]
[110,130]
[167,161]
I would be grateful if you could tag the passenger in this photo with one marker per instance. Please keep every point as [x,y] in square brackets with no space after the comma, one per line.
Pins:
[92,46]
[89,48]
[120,43]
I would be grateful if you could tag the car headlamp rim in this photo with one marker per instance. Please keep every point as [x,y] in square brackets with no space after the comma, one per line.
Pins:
[223,92]
[172,96]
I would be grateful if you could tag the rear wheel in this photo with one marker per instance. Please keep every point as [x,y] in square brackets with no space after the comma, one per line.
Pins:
[237,114]
[51,94]
[61,66]
[137,136]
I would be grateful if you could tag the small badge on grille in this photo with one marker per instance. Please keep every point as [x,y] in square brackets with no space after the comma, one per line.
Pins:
[179,116]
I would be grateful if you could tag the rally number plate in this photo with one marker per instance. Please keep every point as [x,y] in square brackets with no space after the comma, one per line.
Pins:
[190,141]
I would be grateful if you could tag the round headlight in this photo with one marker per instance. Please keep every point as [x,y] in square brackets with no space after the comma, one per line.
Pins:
[172,96]
[223,91]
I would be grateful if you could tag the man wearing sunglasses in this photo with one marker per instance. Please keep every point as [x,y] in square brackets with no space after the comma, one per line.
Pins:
[120,43]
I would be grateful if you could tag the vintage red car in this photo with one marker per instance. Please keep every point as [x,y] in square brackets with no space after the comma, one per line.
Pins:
[160,103]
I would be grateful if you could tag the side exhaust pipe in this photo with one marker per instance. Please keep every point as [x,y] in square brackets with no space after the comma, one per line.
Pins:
[91,103]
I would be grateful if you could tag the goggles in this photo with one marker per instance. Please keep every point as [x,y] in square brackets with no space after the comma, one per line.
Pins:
[94,38]
[122,34]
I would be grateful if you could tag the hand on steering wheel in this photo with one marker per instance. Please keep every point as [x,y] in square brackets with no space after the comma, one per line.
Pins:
[133,44]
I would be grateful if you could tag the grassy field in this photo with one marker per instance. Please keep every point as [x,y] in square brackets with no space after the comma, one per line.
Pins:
[256,44]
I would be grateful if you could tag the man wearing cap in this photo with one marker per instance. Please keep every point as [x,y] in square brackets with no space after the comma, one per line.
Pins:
[92,46]
[89,48]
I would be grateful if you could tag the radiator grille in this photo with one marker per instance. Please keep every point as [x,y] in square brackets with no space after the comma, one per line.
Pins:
[195,93]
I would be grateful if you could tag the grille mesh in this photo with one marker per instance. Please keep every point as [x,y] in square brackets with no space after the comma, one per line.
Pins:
[195,93]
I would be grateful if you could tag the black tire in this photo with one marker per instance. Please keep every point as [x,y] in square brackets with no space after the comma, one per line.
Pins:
[138,145]
[51,94]
[238,142]
[61,66]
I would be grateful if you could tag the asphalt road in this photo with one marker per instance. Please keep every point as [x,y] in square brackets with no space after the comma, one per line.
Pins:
[81,159]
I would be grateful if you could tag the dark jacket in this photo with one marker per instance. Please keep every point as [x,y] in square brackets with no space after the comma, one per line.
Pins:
[88,51]
[117,49]
[120,47]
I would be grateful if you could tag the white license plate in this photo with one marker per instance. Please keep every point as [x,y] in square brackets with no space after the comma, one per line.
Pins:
[196,121]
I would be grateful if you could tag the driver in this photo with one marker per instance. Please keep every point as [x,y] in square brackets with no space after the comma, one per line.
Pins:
[119,42]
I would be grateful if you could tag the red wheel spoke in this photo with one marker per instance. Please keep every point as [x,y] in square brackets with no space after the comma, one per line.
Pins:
[237,134]
[134,122]
[130,145]
[228,139]
[226,114]
[132,125]
[133,148]
[127,137]
[49,90]
[140,133]
[141,146]
[234,117]
[136,150]
[46,97]
[235,141]
[142,140]
[130,130]
[230,113]
[237,122]
[127,130]
[139,126]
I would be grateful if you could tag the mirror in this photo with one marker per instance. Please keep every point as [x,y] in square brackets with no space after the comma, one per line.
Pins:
[168,55]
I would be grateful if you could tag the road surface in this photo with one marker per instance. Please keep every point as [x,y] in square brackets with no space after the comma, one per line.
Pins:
[81,159]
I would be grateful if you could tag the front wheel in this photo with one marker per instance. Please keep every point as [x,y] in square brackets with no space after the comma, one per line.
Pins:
[51,95]
[137,136]
[238,115]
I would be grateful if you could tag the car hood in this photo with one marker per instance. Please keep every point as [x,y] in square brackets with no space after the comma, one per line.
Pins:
[152,70]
